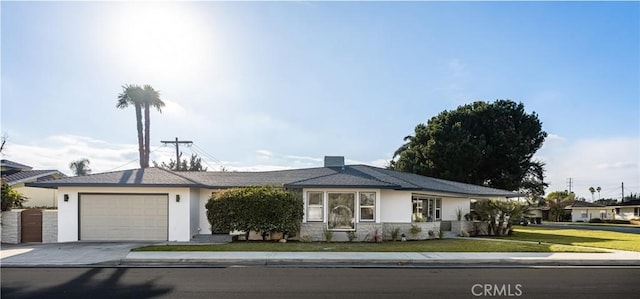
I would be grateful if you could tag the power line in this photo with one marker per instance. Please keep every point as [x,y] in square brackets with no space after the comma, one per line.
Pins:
[177,144]
[135,160]
[209,155]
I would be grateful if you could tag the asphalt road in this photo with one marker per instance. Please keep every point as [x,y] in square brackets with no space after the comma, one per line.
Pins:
[620,229]
[264,282]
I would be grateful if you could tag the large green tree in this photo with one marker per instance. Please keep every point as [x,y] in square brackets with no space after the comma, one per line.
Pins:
[142,98]
[490,144]
[194,164]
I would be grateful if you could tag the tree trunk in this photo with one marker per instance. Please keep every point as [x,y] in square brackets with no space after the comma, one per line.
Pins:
[147,129]
[140,136]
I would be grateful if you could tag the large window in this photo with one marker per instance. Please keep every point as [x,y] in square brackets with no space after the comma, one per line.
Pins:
[315,207]
[426,209]
[340,208]
[636,211]
[367,206]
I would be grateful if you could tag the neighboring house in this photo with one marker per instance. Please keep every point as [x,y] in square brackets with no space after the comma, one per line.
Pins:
[626,210]
[158,204]
[17,175]
[583,211]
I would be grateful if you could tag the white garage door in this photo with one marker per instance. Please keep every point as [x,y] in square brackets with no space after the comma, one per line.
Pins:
[124,217]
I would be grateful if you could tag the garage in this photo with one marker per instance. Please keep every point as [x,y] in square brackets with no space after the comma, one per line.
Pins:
[140,217]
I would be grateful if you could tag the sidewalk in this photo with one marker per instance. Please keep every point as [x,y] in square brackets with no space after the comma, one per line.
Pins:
[373,259]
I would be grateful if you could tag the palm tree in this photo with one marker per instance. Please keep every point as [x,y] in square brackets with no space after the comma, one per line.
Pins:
[598,189]
[132,95]
[151,98]
[80,167]
[592,190]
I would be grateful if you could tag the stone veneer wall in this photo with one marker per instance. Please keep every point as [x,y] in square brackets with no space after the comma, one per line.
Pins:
[49,226]
[314,231]
[405,228]
[11,232]
[461,226]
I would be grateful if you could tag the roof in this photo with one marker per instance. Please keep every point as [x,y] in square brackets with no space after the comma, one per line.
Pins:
[583,204]
[11,164]
[349,176]
[635,202]
[150,177]
[31,175]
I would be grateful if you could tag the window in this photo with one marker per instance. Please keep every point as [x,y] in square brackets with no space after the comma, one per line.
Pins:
[340,207]
[426,209]
[315,208]
[367,206]
[617,211]
[583,215]
[636,211]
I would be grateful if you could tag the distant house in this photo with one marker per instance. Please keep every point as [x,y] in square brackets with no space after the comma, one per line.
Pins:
[17,175]
[574,211]
[626,210]
[583,211]
[158,204]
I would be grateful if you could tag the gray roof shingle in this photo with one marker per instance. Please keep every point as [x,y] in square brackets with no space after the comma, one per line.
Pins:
[350,176]
[155,177]
[27,175]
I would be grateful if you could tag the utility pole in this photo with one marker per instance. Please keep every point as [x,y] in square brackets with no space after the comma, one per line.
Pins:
[570,184]
[177,143]
[622,200]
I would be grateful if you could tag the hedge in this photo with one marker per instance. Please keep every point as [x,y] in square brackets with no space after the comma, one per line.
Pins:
[262,209]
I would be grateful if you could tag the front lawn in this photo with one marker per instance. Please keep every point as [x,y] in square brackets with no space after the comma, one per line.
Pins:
[445,245]
[578,237]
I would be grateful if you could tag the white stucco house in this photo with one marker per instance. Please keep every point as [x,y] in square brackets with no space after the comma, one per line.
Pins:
[626,210]
[583,211]
[158,204]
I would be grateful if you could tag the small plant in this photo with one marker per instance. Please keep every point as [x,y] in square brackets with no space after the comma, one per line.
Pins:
[432,234]
[374,236]
[328,235]
[467,216]
[351,235]
[415,230]
[464,233]
[459,214]
[440,234]
[305,239]
[395,233]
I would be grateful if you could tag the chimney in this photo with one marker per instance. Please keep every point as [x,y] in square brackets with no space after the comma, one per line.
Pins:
[334,161]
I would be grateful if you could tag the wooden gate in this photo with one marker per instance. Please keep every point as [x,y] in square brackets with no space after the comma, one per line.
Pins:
[31,225]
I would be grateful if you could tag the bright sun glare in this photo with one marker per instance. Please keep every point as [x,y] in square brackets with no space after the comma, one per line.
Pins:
[164,40]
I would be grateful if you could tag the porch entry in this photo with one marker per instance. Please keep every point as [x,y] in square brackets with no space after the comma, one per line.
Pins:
[426,208]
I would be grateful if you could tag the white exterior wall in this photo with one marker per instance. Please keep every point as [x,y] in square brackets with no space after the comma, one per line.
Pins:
[205,194]
[395,206]
[626,213]
[37,197]
[179,212]
[450,206]
[576,213]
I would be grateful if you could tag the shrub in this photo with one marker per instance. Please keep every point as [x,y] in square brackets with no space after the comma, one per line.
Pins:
[374,236]
[395,233]
[432,234]
[11,198]
[328,234]
[595,220]
[262,209]
[351,235]
[415,230]
[617,221]
[305,239]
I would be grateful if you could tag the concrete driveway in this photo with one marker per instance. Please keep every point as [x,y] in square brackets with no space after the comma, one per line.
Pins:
[59,254]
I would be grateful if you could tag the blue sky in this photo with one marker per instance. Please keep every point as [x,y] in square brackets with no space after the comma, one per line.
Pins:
[279,85]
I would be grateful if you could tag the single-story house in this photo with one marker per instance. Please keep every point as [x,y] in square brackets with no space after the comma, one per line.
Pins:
[626,210]
[583,211]
[158,204]
[17,175]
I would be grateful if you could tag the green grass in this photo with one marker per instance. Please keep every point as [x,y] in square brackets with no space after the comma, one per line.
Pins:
[445,245]
[578,237]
